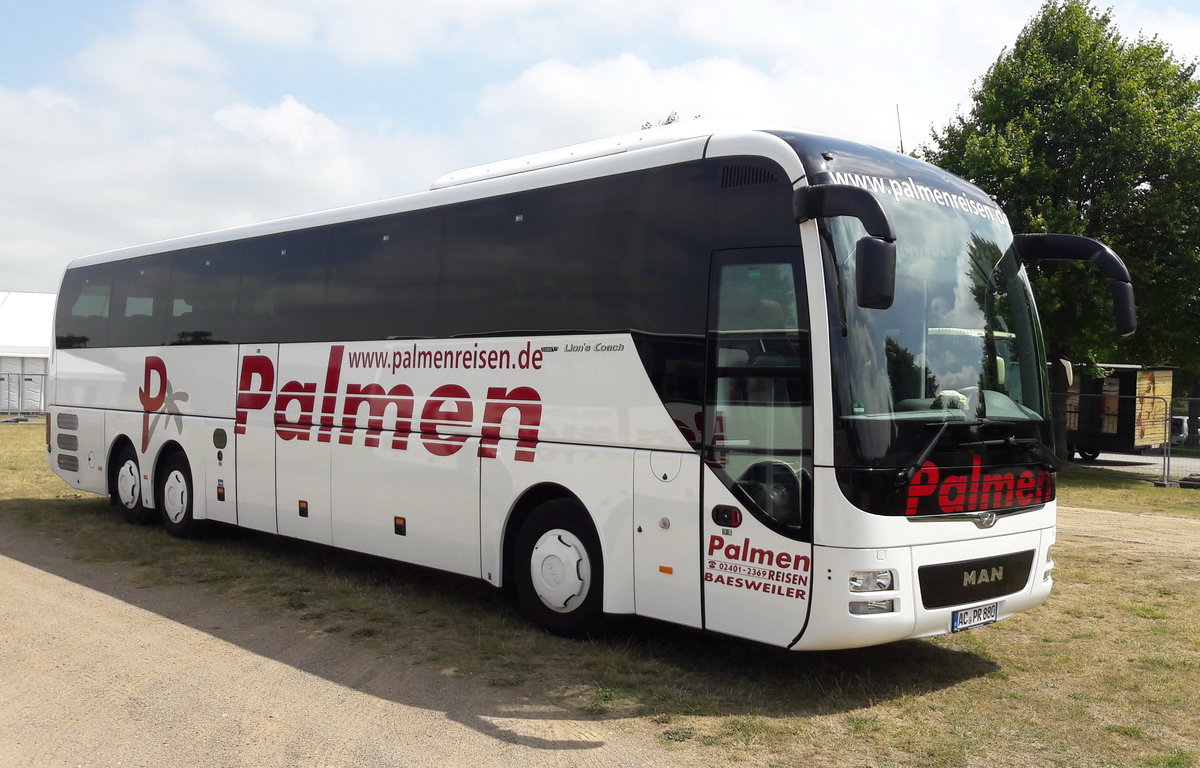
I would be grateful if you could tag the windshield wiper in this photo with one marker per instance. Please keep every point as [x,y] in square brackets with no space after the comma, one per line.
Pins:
[1048,456]
[905,476]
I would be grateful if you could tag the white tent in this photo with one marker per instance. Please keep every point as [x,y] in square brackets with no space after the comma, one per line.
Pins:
[26,338]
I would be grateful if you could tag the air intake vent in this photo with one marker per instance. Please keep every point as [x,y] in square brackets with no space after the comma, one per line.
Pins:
[746,176]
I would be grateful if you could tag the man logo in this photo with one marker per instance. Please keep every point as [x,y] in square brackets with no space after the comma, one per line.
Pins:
[983,576]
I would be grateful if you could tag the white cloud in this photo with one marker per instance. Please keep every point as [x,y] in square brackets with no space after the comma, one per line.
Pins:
[161,67]
[367,31]
[554,103]
[288,124]
[289,24]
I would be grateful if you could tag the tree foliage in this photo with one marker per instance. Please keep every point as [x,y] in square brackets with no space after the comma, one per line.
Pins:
[1076,129]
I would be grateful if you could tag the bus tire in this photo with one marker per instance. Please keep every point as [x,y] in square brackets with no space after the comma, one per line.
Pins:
[125,487]
[558,570]
[1088,454]
[174,494]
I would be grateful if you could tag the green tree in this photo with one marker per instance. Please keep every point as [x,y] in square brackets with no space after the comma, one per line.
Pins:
[1076,129]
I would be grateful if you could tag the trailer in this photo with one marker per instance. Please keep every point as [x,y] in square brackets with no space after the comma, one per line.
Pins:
[1126,411]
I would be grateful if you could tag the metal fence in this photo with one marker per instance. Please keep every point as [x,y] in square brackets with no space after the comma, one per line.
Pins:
[1144,436]
[22,395]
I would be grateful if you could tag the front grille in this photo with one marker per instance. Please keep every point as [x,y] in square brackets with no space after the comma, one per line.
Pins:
[970,581]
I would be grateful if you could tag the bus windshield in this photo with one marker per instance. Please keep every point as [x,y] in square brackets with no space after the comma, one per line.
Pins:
[960,343]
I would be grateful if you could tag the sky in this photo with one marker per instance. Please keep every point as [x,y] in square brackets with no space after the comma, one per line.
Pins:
[130,121]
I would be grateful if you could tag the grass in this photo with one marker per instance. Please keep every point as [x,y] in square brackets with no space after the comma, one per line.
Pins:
[1093,490]
[1105,674]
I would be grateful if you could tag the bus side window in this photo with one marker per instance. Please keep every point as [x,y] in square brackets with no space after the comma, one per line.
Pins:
[203,296]
[284,289]
[385,284]
[82,316]
[139,302]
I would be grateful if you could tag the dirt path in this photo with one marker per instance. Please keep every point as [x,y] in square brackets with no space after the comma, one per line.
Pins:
[95,672]
[1172,536]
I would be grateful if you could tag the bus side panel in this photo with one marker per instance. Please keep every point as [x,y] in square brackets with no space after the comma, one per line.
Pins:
[190,380]
[215,456]
[601,478]
[667,536]
[254,435]
[78,452]
[407,504]
[304,507]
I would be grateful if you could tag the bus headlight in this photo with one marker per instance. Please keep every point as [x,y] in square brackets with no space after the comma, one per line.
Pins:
[872,581]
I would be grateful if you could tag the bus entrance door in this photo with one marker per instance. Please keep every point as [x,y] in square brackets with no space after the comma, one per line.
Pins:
[757,446]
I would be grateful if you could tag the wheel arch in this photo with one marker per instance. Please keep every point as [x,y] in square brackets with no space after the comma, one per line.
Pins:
[166,451]
[522,508]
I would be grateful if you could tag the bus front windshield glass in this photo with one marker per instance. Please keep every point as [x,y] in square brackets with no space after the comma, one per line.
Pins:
[959,344]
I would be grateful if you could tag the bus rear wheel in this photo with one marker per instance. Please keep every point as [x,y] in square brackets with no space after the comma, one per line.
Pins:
[125,487]
[174,494]
[558,570]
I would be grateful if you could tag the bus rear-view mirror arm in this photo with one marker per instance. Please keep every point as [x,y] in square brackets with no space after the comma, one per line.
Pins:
[875,254]
[1055,247]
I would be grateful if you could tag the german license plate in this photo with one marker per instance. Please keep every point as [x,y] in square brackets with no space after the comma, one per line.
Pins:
[974,617]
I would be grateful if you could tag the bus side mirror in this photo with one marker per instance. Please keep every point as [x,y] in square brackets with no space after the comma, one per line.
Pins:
[874,255]
[1123,308]
[875,272]
[1052,247]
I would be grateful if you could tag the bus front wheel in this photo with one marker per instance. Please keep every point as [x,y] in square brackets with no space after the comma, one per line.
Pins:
[558,570]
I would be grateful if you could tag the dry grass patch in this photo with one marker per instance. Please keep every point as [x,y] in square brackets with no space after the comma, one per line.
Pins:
[1094,490]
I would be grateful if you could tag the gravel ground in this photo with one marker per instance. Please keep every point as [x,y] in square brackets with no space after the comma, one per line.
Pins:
[96,672]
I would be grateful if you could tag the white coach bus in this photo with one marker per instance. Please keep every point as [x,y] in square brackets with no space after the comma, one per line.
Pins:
[766,383]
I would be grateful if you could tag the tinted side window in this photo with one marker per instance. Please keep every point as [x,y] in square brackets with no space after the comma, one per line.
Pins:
[284,288]
[524,262]
[617,253]
[139,306]
[662,242]
[81,318]
[202,301]
[383,279]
